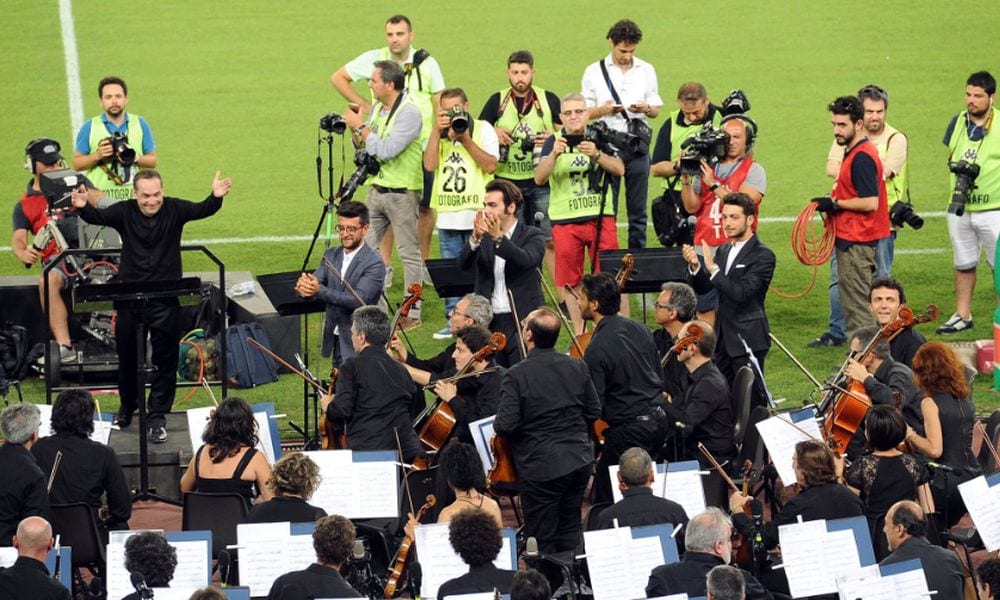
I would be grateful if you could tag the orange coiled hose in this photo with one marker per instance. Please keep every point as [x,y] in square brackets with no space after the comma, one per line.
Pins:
[810,249]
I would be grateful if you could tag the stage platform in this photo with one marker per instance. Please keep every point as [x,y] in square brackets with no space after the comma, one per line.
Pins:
[167,461]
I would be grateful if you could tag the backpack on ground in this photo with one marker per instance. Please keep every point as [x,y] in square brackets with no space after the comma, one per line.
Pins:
[246,365]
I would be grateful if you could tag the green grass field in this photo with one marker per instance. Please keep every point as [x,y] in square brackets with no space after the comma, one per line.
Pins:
[240,87]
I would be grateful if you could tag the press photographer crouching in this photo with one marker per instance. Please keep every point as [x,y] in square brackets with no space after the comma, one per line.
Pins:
[576,163]
[45,211]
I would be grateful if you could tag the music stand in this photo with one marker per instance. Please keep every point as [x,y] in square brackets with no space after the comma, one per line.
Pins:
[449,280]
[653,267]
[135,295]
[280,290]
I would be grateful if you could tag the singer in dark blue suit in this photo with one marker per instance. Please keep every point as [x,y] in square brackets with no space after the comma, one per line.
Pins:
[348,277]
[741,272]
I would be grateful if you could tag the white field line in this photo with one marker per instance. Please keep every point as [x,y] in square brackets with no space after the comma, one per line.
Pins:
[72,60]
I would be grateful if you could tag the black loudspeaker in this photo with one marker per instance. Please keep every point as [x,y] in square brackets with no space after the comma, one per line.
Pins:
[449,280]
[280,289]
[653,267]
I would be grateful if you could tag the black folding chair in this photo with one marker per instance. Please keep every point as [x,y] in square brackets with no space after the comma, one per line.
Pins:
[76,526]
[218,513]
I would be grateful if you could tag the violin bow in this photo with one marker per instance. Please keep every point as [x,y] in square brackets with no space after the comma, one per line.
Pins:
[718,468]
[347,286]
[55,469]
[517,325]
[989,444]
[562,318]
[260,347]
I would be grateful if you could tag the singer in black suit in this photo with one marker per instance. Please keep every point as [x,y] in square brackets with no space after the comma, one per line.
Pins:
[741,272]
[500,244]
[349,276]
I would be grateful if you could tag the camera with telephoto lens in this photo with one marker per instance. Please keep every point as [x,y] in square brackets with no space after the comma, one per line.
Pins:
[736,103]
[333,123]
[965,181]
[460,119]
[124,154]
[610,140]
[367,166]
[709,144]
[902,213]
[525,144]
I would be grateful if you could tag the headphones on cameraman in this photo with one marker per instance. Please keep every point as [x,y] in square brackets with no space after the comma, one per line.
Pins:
[749,124]
[29,158]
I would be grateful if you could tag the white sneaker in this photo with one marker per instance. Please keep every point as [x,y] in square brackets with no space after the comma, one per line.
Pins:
[67,355]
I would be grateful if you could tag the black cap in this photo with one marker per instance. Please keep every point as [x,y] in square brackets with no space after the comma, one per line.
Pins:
[44,150]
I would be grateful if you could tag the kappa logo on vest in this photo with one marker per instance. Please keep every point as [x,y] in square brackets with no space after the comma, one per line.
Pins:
[580,161]
[970,155]
[455,159]
[523,129]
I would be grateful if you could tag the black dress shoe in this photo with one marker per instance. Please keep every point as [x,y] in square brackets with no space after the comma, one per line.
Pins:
[122,420]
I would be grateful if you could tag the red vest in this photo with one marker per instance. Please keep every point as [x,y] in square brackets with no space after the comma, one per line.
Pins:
[708,227]
[34,206]
[856,226]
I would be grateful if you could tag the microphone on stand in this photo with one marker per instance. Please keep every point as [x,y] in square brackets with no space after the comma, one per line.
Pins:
[539,217]
[139,583]
[224,565]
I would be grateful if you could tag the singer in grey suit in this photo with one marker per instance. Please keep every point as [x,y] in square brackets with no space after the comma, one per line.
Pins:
[349,276]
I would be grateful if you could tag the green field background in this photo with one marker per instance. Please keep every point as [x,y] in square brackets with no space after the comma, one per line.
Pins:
[239,86]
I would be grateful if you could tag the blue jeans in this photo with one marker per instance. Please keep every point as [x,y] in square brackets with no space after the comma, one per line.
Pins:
[883,266]
[452,241]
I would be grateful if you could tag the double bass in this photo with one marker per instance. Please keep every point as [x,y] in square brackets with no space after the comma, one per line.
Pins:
[441,419]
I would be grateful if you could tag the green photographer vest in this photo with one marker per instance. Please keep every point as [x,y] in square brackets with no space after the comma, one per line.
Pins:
[423,99]
[679,133]
[895,187]
[985,153]
[519,165]
[459,183]
[406,169]
[96,174]
[571,199]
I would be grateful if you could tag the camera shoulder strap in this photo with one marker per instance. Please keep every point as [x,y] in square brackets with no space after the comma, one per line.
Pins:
[611,88]
[906,162]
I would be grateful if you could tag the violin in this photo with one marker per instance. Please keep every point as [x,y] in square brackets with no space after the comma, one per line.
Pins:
[330,437]
[502,478]
[846,405]
[401,561]
[742,548]
[414,294]
[441,420]
[690,338]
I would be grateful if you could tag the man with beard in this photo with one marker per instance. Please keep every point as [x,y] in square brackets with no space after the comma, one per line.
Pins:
[348,277]
[968,139]
[885,298]
[858,205]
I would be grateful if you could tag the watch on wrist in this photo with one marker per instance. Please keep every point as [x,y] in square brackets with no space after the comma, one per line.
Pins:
[715,185]
[358,130]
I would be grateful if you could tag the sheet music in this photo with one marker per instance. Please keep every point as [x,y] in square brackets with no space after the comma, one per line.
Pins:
[101,433]
[482,433]
[263,552]
[174,592]
[355,489]
[910,585]
[439,561]
[780,438]
[8,555]
[805,560]
[841,550]
[983,504]
[620,564]
[478,596]
[871,588]
[671,597]
[301,553]
[192,565]
[683,485]
[197,419]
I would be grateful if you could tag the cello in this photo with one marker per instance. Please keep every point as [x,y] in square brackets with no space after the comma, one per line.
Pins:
[401,561]
[847,403]
[439,424]
[330,437]
[414,294]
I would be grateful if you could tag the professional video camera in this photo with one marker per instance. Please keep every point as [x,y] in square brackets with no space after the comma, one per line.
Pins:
[965,181]
[460,119]
[124,154]
[902,213]
[367,165]
[736,103]
[709,145]
[333,122]
[58,186]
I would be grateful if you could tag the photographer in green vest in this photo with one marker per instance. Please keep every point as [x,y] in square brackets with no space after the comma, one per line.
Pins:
[462,153]
[113,146]
[391,136]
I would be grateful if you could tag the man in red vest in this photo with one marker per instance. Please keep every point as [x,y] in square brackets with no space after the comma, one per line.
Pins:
[858,206]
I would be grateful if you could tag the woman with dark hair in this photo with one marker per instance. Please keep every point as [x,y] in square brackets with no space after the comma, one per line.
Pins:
[948,415]
[232,464]
[88,469]
[887,475]
[150,554]
[294,478]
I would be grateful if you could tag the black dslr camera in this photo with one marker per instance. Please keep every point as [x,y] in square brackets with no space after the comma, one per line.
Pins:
[736,103]
[709,145]
[611,140]
[965,181]
[902,213]
[525,144]
[460,119]
[367,166]
[124,154]
[333,123]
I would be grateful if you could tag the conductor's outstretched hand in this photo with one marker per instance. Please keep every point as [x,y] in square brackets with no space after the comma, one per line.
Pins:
[220,187]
